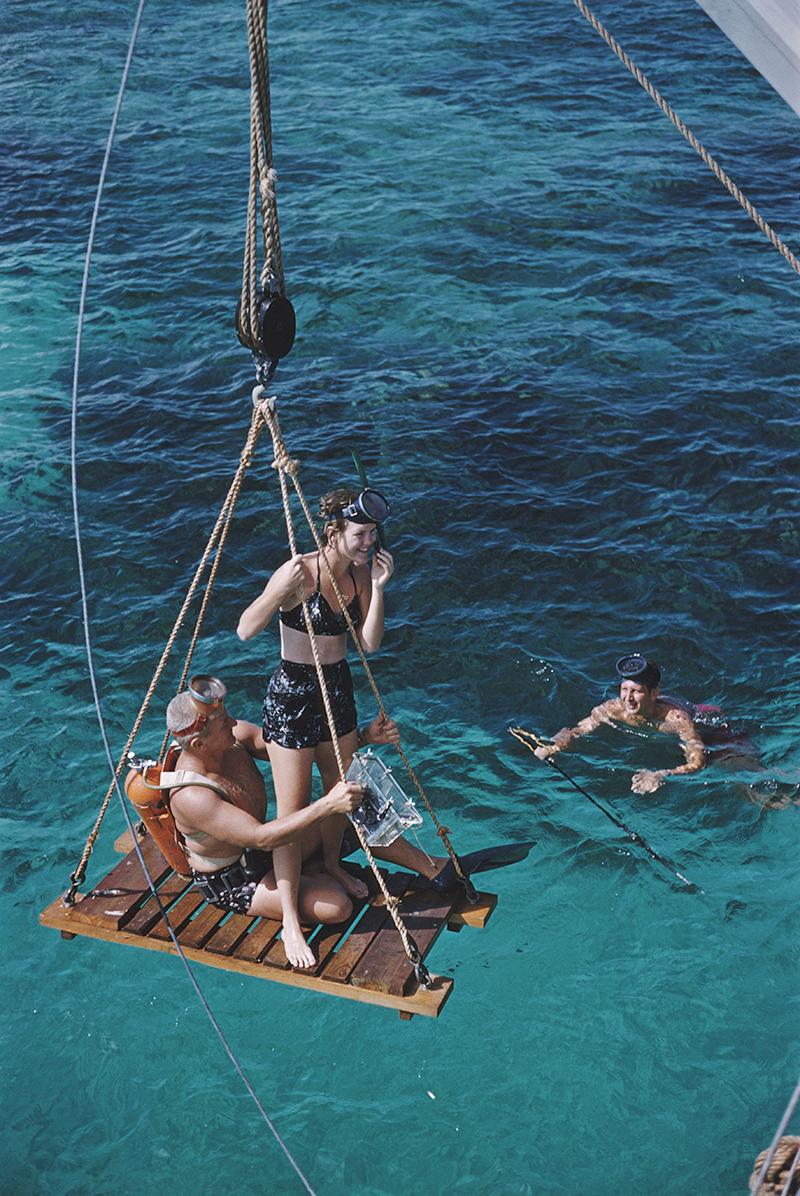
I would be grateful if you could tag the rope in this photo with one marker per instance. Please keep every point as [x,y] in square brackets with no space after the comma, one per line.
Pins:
[281,454]
[222,523]
[793,1099]
[284,464]
[696,145]
[262,198]
[85,609]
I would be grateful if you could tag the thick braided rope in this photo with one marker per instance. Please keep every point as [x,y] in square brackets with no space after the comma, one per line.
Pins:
[256,426]
[284,464]
[700,149]
[441,831]
[262,176]
[231,500]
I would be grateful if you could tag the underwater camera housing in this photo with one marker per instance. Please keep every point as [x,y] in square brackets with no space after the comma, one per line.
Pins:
[386,811]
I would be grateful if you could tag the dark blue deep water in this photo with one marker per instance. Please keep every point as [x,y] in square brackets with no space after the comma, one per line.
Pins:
[572,362]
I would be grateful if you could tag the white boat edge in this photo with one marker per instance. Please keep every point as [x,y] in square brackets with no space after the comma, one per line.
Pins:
[767,32]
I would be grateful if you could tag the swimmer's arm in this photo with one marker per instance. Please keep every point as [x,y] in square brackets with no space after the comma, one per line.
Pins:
[605,713]
[252,738]
[201,810]
[284,588]
[677,723]
[691,744]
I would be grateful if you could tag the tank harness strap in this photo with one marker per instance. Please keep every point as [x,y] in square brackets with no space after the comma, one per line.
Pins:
[184,777]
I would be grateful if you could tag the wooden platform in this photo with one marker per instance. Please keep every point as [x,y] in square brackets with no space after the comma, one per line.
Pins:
[362,960]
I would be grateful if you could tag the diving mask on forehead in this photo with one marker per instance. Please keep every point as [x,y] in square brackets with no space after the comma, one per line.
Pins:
[638,668]
[369,507]
[208,698]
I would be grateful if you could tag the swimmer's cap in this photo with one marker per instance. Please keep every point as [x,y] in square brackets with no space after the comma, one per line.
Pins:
[637,668]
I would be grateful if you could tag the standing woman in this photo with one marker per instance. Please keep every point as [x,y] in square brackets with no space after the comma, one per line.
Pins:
[295,723]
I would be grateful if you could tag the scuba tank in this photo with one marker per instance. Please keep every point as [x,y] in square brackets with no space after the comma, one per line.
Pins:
[151,802]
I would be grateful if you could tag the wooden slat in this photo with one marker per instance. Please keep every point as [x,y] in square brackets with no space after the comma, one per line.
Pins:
[128,889]
[348,955]
[477,915]
[201,928]
[418,1001]
[145,918]
[179,914]
[226,937]
[384,966]
[256,943]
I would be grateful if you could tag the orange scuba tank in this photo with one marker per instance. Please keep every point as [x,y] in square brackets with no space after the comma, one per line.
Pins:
[151,802]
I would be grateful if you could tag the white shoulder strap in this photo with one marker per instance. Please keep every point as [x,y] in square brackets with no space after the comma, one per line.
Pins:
[184,777]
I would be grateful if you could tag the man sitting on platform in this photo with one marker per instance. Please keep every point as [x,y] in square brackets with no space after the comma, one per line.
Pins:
[226,838]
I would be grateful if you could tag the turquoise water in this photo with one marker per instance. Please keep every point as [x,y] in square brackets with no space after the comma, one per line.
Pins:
[572,361]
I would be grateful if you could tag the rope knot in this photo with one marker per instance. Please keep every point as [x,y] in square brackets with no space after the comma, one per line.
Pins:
[284,462]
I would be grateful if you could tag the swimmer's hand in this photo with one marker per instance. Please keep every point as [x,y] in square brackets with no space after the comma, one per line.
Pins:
[381,730]
[344,798]
[647,781]
[382,568]
[546,750]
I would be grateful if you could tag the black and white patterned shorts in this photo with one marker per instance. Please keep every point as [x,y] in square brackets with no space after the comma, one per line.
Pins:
[294,713]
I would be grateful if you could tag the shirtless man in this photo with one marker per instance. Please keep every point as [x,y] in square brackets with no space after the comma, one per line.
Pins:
[223,749]
[639,705]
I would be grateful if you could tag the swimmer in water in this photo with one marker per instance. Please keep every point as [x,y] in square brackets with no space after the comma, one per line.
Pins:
[640,705]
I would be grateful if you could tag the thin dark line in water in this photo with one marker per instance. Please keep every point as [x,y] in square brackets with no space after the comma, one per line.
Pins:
[85,611]
[522,735]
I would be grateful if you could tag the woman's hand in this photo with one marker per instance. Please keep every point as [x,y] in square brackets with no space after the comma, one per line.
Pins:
[284,588]
[292,582]
[381,730]
[382,568]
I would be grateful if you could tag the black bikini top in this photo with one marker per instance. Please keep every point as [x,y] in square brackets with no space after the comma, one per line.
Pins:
[324,620]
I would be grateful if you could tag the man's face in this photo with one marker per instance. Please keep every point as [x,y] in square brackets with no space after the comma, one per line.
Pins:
[637,698]
[219,731]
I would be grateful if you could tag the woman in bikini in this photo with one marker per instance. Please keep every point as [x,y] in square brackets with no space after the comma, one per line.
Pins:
[295,723]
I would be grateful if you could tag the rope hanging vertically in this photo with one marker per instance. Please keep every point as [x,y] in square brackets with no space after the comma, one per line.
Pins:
[286,465]
[265,320]
[216,540]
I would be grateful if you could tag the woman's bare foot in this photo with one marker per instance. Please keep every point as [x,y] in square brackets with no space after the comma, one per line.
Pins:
[351,884]
[298,952]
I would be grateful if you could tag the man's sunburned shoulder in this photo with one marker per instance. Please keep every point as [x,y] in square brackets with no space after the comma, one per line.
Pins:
[673,716]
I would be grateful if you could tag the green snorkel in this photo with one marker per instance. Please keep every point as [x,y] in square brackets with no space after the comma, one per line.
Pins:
[362,477]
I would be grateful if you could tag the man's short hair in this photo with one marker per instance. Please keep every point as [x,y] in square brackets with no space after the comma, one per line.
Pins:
[182,719]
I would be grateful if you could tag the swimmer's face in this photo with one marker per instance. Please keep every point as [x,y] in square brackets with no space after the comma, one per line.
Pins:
[637,698]
[356,541]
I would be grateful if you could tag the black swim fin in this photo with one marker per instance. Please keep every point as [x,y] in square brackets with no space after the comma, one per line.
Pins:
[499,856]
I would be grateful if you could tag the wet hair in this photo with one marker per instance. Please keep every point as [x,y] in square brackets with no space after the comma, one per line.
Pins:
[330,507]
[182,712]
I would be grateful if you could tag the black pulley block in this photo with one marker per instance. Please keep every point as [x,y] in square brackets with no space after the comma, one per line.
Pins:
[276,325]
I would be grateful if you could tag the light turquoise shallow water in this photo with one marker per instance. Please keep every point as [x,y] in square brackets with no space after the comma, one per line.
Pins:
[572,362]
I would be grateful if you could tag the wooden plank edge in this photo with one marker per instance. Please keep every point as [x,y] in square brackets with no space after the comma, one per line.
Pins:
[425,1002]
[473,915]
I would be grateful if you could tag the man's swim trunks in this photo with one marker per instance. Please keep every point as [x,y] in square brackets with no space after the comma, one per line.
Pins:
[232,887]
[294,713]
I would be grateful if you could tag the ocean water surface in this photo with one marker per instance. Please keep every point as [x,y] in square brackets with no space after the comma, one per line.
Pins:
[571,361]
